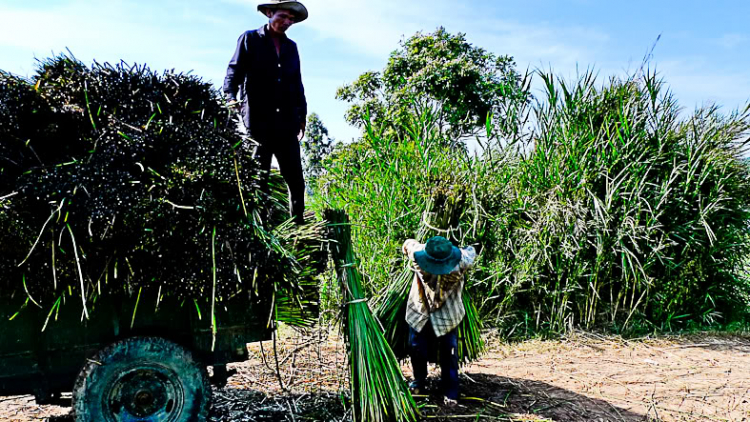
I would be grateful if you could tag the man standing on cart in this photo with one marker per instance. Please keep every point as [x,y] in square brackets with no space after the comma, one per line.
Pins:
[264,78]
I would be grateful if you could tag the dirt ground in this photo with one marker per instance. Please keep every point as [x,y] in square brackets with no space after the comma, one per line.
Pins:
[581,378]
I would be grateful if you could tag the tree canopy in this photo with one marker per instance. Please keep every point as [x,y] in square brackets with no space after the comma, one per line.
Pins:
[437,73]
[315,147]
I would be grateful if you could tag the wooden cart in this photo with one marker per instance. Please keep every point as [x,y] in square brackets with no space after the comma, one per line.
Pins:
[121,365]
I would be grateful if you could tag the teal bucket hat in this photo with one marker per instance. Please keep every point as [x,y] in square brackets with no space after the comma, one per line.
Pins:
[439,256]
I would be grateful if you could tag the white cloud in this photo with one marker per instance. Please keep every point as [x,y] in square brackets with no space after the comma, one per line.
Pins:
[696,83]
[542,45]
[732,41]
[372,28]
[135,31]
[94,25]
[342,39]
[375,28]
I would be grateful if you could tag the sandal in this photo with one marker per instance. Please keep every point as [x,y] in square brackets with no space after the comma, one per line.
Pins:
[449,402]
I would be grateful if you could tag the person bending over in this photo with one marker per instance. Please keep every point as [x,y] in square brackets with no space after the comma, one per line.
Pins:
[435,308]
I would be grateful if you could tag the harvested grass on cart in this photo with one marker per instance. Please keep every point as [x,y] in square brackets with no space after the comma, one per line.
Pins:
[117,180]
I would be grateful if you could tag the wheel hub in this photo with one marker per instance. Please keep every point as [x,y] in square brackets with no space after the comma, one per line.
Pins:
[147,393]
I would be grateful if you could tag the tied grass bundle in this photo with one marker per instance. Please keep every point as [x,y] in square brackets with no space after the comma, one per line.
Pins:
[444,208]
[379,390]
[470,342]
[116,179]
[391,312]
[297,302]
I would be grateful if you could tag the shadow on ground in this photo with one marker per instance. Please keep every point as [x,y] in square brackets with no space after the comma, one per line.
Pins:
[498,397]
[239,405]
[718,342]
[483,396]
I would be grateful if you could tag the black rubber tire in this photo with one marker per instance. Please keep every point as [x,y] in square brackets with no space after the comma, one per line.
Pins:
[146,378]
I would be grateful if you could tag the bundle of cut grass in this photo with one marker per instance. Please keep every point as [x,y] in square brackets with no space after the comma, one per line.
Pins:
[298,304]
[119,179]
[443,211]
[379,391]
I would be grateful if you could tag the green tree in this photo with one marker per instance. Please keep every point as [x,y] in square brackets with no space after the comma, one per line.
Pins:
[440,74]
[316,145]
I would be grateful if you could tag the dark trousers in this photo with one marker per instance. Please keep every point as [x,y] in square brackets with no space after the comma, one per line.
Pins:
[287,153]
[423,346]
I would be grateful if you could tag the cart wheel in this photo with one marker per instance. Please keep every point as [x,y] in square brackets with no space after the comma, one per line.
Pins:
[147,379]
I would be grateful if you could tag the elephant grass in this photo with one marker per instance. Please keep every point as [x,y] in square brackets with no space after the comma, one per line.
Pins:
[610,208]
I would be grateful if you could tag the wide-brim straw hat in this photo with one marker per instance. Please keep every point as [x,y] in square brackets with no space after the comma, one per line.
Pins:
[299,9]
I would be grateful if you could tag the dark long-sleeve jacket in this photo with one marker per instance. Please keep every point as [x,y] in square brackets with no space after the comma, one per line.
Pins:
[269,85]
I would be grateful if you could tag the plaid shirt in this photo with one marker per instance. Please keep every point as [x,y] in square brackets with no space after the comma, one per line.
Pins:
[445,306]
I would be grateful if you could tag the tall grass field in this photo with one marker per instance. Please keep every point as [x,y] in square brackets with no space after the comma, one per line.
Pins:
[596,204]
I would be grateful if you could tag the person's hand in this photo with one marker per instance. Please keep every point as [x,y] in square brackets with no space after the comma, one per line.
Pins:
[233,105]
[406,242]
[301,131]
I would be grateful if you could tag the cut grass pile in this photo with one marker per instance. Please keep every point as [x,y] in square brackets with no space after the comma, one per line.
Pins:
[117,180]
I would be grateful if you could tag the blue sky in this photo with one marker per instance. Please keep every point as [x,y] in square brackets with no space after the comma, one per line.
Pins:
[702,53]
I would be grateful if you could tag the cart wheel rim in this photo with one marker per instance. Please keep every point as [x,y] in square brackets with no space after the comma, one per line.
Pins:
[147,393]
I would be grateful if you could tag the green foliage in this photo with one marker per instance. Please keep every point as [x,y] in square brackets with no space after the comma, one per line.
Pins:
[298,304]
[316,146]
[461,83]
[606,209]
[441,217]
[620,213]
